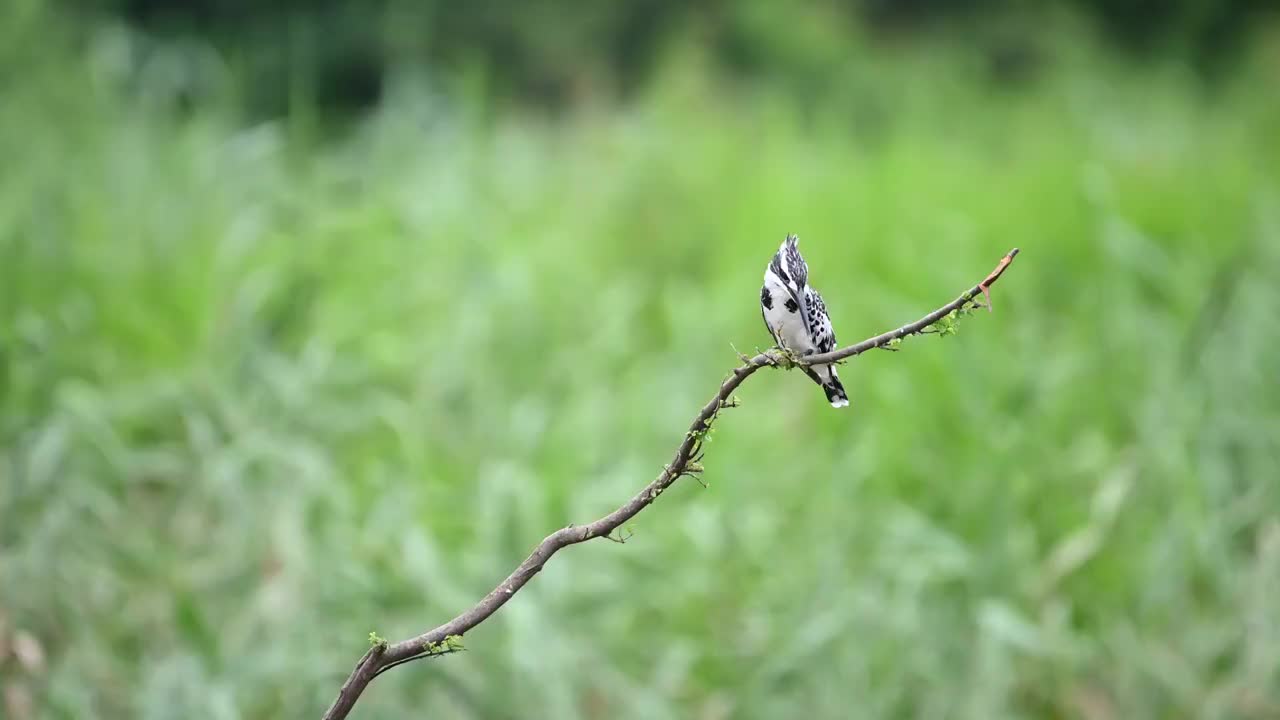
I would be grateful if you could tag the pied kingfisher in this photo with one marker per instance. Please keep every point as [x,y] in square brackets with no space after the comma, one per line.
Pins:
[797,317]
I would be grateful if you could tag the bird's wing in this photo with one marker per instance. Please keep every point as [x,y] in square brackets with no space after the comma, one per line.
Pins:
[824,334]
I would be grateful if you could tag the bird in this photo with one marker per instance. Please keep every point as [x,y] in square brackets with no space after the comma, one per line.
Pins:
[796,316]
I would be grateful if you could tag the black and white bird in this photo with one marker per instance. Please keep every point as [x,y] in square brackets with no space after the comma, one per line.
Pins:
[797,317]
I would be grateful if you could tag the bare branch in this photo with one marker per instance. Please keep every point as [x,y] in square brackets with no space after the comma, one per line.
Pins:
[382,657]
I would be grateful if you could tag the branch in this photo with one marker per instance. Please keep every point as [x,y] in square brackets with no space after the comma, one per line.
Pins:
[382,656]
[966,300]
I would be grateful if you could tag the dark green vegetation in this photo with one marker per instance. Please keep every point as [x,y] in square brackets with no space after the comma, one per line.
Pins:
[554,51]
[264,390]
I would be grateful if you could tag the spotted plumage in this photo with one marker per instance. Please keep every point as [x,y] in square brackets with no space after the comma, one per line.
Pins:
[797,317]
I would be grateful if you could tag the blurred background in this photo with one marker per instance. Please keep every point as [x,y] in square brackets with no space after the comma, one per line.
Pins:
[315,317]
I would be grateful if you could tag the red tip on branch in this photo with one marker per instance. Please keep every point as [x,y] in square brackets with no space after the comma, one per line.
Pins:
[985,285]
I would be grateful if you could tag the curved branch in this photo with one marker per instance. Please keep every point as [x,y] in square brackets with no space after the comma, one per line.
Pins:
[965,300]
[383,655]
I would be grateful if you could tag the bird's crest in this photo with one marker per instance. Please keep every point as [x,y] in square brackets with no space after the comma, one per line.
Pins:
[793,262]
[789,266]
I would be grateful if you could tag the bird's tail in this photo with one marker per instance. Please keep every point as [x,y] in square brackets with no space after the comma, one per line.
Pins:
[826,377]
[835,394]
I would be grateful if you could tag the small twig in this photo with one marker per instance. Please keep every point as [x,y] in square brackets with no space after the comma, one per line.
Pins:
[620,539]
[424,655]
[382,657]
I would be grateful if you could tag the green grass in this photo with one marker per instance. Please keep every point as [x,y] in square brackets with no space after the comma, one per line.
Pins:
[263,392]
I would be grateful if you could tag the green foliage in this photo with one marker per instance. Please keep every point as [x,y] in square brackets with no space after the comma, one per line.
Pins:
[335,53]
[948,325]
[784,358]
[260,392]
[451,644]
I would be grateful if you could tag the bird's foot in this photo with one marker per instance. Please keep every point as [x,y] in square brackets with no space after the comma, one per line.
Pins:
[783,358]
